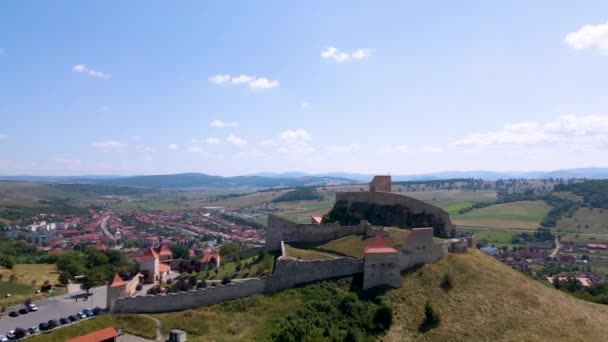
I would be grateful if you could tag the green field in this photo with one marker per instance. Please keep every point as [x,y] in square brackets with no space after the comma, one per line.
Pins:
[28,279]
[307,254]
[256,268]
[498,238]
[585,220]
[519,215]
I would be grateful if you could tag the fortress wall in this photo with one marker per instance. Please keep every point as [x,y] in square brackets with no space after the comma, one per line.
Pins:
[429,255]
[190,299]
[290,272]
[280,229]
[390,209]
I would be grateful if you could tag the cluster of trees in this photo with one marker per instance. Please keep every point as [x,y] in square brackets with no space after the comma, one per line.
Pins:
[477,205]
[597,293]
[594,192]
[92,190]
[299,194]
[24,214]
[96,266]
[328,316]
[18,252]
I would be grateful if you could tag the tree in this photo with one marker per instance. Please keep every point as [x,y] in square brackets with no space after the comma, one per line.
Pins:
[64,278]
[225,280]
[431,318]
[446,282]
[383,318]
[180,251]
[92,278]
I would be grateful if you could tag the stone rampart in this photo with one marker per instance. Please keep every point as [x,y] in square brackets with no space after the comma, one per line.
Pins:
[389,209]
[190,299]
[280,229]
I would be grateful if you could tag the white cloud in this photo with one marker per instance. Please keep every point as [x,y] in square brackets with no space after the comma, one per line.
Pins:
[590,131]
[268,142]
[263,83]
[81,68]
[223,124]
[213,141]
[196,150]
[295,141]
[109,146]
[219,79]
[234,140]
[173,147]
[304,105]
[242,79]
[143,148]
[402,149]
[343,148]
[589,36]
[332,53]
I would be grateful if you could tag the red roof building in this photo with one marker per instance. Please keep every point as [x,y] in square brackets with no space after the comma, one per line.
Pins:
[149,253]
[596,246]
[379,246]
[104,335]
[116,281]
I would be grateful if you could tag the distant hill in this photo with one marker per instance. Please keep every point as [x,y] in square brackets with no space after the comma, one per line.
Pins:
[199,180]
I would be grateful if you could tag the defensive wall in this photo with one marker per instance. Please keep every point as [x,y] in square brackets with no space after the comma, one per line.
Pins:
[389,209]
[281,229]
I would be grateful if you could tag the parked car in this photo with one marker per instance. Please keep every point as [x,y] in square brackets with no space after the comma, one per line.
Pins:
[88,312]
[24,311]
[33,330]
[64,320]
[73,318]
[19,333]
[81,315]
[13,314]
[53,323]
[3,338]
[97,310]
[43,326]
[32,307]
[11,335]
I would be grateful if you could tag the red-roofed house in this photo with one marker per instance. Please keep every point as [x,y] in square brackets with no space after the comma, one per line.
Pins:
[381,264]
[164,252]
[108,334]
[596,246]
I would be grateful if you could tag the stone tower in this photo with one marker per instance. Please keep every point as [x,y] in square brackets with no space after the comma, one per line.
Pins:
[380,183]
[116,289]
[380,264]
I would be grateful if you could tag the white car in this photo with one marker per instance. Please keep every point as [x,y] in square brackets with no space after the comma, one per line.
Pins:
[3,338]
[32,307]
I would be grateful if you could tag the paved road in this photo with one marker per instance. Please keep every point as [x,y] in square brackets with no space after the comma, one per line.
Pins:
[53,308]
[103,224]
[557,246]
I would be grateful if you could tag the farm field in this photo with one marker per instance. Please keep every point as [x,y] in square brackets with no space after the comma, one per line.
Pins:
[521,215]
[28,279]
[499,238]
[585,220]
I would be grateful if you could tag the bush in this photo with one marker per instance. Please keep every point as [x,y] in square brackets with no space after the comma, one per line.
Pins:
[64,278]
[225,280]
[383,318]
[431,318]
[446,282]
[202,284]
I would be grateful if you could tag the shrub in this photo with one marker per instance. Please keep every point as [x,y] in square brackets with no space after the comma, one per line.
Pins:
[383,318]
[202,284]
[431,318]
[446,282]
[225,280]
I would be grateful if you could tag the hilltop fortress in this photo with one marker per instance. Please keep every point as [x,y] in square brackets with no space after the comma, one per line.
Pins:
[354,213]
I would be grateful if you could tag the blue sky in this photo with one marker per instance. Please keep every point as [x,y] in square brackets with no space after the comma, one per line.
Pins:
[235,87]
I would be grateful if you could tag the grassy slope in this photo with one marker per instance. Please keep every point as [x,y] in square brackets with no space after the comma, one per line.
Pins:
[22,288]
[490,301]
[595,219]
[523,214]
[132,324]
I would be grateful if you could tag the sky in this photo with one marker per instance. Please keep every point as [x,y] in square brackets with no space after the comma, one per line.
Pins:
[238,87]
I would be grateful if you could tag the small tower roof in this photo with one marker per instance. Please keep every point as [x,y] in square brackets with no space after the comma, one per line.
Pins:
[164,250]
[116,281]
[150,253]
[379,246]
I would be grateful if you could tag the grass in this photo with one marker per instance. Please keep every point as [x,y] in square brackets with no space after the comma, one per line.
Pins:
[229,269]
[585,220]
[488,302]
[23,287]
[131,324]
[492,236]
[307,254]
[453,207]
[519,215]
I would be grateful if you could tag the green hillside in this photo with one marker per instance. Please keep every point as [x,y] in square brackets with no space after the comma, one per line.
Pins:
[522,214]
[487,302]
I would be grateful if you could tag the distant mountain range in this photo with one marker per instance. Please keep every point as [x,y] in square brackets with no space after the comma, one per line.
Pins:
[293,179]
[590,172]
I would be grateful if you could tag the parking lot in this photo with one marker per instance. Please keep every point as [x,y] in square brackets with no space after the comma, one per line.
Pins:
[53,308]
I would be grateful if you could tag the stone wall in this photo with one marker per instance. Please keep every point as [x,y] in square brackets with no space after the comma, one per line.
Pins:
[391,210]
[190,299]
[280,229]
[420,248]
[381,269]
[380,183]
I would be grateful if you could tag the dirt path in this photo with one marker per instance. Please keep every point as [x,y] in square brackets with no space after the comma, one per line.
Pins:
[159,336]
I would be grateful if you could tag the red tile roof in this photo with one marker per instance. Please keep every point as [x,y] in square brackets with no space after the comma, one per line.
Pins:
[150,253]
[164,268]
[96,336]
[164,250]
[116,281]
[379,246]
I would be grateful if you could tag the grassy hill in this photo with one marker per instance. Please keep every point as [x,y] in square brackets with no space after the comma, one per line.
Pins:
[522,214]
[488,302]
